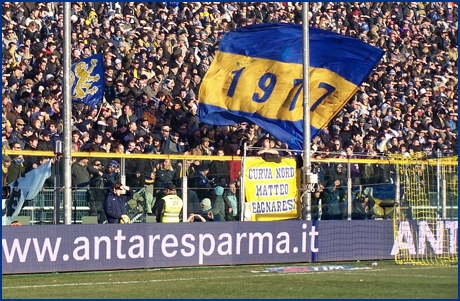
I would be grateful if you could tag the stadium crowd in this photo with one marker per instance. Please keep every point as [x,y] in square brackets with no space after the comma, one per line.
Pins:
[156,55]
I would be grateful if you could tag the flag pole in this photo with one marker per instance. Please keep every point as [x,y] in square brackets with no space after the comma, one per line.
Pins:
[67,129]
[306,201]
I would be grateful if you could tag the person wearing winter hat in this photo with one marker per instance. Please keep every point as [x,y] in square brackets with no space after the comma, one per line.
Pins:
[218,209]
[112,174]
[6,162]
[205,215]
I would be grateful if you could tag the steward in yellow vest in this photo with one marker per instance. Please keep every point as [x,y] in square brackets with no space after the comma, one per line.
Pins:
[169,209]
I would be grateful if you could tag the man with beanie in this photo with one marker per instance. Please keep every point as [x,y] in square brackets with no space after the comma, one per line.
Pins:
[6,162]
[205,214]
[112,174]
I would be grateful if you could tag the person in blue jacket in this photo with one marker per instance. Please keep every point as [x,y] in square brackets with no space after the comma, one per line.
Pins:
[114,203]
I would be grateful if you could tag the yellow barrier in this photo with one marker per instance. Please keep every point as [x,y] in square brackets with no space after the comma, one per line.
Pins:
[452,161]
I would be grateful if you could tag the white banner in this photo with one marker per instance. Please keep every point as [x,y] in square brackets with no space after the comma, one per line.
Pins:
[25,188]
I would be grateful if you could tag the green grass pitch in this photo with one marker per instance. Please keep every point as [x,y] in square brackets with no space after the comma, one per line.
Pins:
[386,280]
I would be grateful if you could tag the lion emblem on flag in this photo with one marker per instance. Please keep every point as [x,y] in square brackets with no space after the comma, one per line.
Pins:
[84,79]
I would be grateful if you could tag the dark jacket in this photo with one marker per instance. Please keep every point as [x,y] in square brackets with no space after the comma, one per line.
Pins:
[193,202]
[80,175]
[219,169]
[16,170]
[163,177]
[114,206]
[331,204]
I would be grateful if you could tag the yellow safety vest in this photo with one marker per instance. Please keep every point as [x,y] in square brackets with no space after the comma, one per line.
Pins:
[172,208]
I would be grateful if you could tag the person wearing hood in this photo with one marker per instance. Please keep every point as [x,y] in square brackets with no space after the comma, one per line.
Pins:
[218,209]
[114,203]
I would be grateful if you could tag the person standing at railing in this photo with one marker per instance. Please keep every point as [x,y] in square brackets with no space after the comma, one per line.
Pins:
[6,162]
[331,204]
[218,207]
[169,207]
[204,183]
[17,167]
[96,193]
[80,173]
[219,168]
[114,203]
[316,202]
[231,198]
[164,175]
[31,162]
[112,174]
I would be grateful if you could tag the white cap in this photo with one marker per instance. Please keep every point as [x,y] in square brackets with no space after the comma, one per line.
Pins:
[73,18]
[117,61]
[49,76]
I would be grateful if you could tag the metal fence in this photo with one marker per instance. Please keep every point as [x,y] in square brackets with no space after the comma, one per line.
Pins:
[41,208]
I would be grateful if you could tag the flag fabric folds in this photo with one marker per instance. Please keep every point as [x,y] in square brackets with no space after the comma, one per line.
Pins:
[256,76]
[87,80]
[24,188]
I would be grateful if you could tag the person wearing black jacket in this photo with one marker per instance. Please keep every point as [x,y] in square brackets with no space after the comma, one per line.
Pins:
[114,203]
[96,193]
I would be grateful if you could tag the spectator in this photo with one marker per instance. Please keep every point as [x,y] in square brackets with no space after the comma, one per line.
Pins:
[80,173]
[363,208]
[164,175]
[266,148]
[96,194]
[219,168]
[112,174]
[231,198]
[6,162]
[115,201]
[204,183]
[332,204]
[205,214]
[17,168]
[317,202]
[218,208]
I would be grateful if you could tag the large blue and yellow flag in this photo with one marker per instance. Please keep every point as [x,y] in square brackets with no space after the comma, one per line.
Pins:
[87,80]
[256,77]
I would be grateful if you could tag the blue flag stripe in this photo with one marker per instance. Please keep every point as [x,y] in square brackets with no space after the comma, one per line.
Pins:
[278,128]
[283,42]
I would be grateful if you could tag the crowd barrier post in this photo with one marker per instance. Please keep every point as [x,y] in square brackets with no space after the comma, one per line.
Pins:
[349,186]
[184,191]
[241,176]
[438,178]
[444,191]
[397,195]
[123,171]
[57,192]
